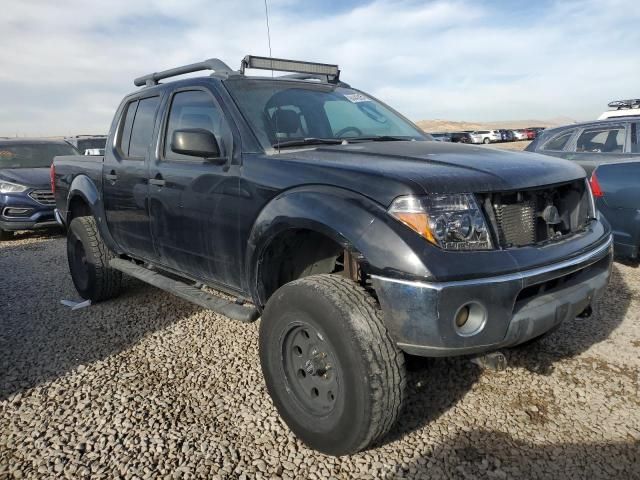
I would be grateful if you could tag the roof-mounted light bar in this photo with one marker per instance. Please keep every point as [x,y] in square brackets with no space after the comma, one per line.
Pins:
[622,104]
[282,65]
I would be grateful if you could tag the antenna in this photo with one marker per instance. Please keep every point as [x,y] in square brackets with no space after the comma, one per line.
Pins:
[266,14]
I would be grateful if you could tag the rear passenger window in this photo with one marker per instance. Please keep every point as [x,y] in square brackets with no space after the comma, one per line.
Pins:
[635,137]
[125,133]
[601,140]
[142,130]
[558,143]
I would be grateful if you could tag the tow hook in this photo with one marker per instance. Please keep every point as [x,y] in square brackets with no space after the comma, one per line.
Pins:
[492,361]
[586,313]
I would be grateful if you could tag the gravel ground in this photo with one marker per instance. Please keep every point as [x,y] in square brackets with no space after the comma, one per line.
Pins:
[148,386]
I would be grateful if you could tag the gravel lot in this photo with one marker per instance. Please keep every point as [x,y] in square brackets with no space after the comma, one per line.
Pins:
[148,386]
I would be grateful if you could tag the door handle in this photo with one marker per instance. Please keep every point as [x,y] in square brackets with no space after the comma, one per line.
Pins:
[111,176]
[157,181]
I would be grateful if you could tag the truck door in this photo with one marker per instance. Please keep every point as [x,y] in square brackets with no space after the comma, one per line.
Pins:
[193,201]
[125,174]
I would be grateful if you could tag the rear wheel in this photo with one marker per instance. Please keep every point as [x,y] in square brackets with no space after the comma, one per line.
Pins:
[88,259]
[5,235]
[334,374]
[486,141]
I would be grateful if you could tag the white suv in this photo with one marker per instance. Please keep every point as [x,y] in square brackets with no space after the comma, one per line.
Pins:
[486,136]
[622,108]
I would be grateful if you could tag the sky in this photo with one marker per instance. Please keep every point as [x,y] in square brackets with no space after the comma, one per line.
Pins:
[66,64]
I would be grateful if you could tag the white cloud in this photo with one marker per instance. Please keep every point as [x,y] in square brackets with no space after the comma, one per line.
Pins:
[66,65]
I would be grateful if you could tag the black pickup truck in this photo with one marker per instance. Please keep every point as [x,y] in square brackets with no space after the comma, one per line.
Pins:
[353,235]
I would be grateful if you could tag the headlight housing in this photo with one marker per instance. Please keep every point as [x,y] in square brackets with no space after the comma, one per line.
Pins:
[449,221]
[8,187]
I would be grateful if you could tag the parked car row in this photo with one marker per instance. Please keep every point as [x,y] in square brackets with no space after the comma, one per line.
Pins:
[487,136]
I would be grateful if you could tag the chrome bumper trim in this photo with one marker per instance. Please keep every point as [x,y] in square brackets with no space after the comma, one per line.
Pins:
[561,268]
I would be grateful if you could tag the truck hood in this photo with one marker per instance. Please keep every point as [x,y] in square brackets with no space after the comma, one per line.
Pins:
[439,167]
[29,177]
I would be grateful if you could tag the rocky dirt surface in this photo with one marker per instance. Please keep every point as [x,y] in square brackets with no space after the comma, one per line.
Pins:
[148,386]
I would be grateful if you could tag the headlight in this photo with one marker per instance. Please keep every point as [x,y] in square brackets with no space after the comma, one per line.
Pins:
[452,222]
[8,187]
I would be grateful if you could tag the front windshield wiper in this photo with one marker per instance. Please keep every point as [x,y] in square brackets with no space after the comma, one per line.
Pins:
[379,138]
[298,142]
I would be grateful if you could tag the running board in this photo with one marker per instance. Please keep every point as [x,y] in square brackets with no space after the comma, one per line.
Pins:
[187,292]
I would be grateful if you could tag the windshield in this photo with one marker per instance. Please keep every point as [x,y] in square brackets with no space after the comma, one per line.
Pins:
[32,155]
[281,112]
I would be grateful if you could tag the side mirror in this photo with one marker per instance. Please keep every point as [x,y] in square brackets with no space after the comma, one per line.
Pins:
[196,142]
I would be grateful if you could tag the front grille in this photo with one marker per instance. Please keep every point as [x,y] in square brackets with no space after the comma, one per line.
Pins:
[45,197]
[530,217]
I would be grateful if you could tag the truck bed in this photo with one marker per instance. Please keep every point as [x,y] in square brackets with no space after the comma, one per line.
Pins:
[68,168]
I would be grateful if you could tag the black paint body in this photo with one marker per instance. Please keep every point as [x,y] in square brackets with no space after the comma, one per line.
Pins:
[212,222]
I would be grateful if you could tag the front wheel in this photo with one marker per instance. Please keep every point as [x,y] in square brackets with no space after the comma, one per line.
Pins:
[88,259]
[334,374]
[486,141]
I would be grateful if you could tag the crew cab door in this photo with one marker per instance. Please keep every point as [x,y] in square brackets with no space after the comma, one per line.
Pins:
[193,201]
[125,174]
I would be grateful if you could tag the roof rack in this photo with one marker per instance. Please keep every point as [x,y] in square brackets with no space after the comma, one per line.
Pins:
[625,104]
[215,64]
[302,70]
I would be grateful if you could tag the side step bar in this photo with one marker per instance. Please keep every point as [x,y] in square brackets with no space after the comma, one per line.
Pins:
[187,292]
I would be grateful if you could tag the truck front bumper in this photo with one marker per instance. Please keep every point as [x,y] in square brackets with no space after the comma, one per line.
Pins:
[500,311]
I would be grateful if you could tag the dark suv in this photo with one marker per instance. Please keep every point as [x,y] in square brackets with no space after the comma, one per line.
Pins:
[26,200]
[591,143]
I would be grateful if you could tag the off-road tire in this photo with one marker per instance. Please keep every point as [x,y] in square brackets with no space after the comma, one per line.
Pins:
[88,259]
[369,368]
[5,235]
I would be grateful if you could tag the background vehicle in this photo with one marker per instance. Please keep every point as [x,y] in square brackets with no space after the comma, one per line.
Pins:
[26,200]
[507,135]
[622,109]
[520,135]
[88,144]
[309,202]
[486,136]
[616,188]
[94,151]
[591,143]
[441,137]
[461,137]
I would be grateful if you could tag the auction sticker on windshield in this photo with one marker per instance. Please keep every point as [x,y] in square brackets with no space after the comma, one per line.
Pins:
[356,98]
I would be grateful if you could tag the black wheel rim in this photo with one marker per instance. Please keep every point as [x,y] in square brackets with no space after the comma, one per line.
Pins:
[311,369]
[79,263]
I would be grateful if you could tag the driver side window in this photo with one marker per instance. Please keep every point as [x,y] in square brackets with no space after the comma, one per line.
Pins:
[195,109]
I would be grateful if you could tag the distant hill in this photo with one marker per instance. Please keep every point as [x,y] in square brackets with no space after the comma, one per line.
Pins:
[453,126]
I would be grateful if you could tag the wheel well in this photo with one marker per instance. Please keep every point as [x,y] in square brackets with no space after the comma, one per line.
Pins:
[300,253]
[78,207]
